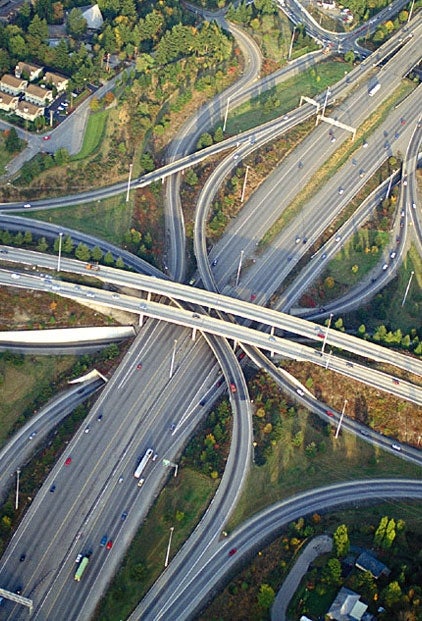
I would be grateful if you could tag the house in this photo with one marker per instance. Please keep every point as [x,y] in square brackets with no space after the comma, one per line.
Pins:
[93,16]
[33,72]
[367,562]
[37,95]
[56,80]
[11,85]
[8,102]
[28,111]
[347,606]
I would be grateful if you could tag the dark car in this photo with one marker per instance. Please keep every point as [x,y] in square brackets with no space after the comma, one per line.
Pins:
[22,557]
[18,590]
[395,381]
[103,541]
[214,263]
[203,402]
[53,488]
[124,516]
[232,551]
[100,417]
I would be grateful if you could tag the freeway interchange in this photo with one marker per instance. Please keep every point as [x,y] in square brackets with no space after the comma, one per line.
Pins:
[95,493]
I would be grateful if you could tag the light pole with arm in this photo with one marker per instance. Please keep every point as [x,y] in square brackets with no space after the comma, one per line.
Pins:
[128,182]
[244,184]
[17,489]
[60,251]
[166,562]
[226,113]
[407,288]
[341,419]
[239,267]
[326,333]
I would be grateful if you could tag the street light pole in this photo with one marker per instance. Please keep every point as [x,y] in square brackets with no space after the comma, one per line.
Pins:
[326,100]
[326,333]
[60,251]
[291,43]
[341,419]
[244,184]
[226,113]
[239,267]
[17,489]
[328,358]
[172,358]
[411,11]
[168,547]
[407,288]
[128,182]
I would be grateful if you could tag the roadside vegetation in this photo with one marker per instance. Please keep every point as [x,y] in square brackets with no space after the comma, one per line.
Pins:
[294,450]
[250,594]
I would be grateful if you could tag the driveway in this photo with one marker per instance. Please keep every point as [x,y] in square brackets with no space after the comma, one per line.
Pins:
[319,545]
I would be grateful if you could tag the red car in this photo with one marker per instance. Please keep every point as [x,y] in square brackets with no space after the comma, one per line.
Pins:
[46,137]
[233,387]
[232,551]
[68,461]
[139,365]
[320,335]
[329,413]
[253,297]
[109,544]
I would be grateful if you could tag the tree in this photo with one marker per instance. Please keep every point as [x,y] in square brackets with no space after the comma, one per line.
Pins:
[191,178]
[380,532]
[68,245]
[392,594]
[76,23]
[38,29]
[120,263]
[341,541]
[42,244]
[349,57]
[12,142]
[108,258]
[205,140]
[266,596]
[61,156]
[96,253]
[82,252]
[331,573]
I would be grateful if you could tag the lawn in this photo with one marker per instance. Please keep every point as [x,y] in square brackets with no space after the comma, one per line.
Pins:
[178,506]
[24,383]
[290,470]
[285,96]
[357,252]
[93,135]
[108,219]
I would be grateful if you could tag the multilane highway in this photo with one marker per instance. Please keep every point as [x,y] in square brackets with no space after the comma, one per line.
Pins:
[122,533]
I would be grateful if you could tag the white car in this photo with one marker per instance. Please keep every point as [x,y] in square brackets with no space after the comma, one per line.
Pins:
[341,191]
[15,276]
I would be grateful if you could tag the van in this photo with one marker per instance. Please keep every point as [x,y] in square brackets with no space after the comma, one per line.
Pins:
[141,482]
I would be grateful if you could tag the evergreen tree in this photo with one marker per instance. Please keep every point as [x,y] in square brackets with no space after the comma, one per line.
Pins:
[341,540]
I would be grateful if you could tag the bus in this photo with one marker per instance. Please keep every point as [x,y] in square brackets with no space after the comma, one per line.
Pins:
[82,566]
[374,89]
[145,459]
